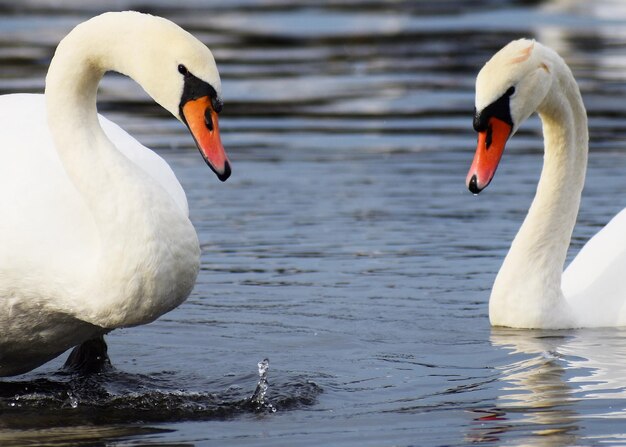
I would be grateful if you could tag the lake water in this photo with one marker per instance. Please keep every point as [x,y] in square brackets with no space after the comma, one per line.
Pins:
[345,247]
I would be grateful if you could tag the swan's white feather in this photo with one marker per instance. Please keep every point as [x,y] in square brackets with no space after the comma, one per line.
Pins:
[38,197]
[146,160]
[595,280]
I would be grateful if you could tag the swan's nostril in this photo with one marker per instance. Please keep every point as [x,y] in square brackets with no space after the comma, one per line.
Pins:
[208,120]
[473,185]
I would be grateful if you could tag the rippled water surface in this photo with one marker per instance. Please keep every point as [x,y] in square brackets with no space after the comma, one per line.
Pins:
[345,248]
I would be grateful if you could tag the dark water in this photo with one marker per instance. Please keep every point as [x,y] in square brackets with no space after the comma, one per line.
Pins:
[345,247]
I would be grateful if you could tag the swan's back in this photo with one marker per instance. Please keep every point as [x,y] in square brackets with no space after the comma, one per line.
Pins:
[594,281]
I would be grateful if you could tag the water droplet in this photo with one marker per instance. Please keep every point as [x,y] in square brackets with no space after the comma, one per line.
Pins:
[258,397]
[72,400]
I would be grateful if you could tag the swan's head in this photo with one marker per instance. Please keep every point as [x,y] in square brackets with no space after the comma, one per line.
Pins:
[173,67]
[509,88]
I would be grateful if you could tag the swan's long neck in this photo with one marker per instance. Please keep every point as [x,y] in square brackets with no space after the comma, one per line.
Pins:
[79,63]
[109,42]
[140,231]
[528,286]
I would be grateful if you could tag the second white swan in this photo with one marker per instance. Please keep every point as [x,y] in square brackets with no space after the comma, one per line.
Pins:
[531,290]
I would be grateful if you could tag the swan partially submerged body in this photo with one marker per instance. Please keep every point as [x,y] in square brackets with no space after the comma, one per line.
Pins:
[95,233]
[531,290]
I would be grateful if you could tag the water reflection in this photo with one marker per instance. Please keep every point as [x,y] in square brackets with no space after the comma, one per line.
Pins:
[556,380]
[536,397]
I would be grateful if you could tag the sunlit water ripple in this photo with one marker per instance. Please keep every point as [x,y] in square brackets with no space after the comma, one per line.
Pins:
[345,247]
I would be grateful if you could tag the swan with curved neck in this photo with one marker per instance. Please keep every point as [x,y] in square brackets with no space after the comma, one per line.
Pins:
[531,290]
[95,234]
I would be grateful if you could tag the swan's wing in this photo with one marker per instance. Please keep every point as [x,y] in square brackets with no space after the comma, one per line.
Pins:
[599,268]
[147,160]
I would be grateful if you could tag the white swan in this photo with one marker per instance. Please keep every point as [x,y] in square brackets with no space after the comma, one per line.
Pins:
[530,290]
[94,230]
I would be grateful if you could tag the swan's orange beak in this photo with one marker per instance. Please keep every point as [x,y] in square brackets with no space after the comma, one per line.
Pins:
[202,121]
[489,150]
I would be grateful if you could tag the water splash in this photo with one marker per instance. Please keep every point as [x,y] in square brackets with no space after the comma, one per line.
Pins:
[72,400]
[116,397]
[258,398]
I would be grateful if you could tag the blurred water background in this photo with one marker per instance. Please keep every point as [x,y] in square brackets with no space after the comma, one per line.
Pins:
[345,247]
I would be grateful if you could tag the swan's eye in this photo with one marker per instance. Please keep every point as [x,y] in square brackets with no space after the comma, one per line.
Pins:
[183,70]
[510,91]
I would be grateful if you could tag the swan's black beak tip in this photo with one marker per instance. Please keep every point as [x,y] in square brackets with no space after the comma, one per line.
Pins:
[223,176]
[472,185]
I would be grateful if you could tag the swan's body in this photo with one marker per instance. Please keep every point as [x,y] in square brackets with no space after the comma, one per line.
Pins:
[531,290]
[95,233]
